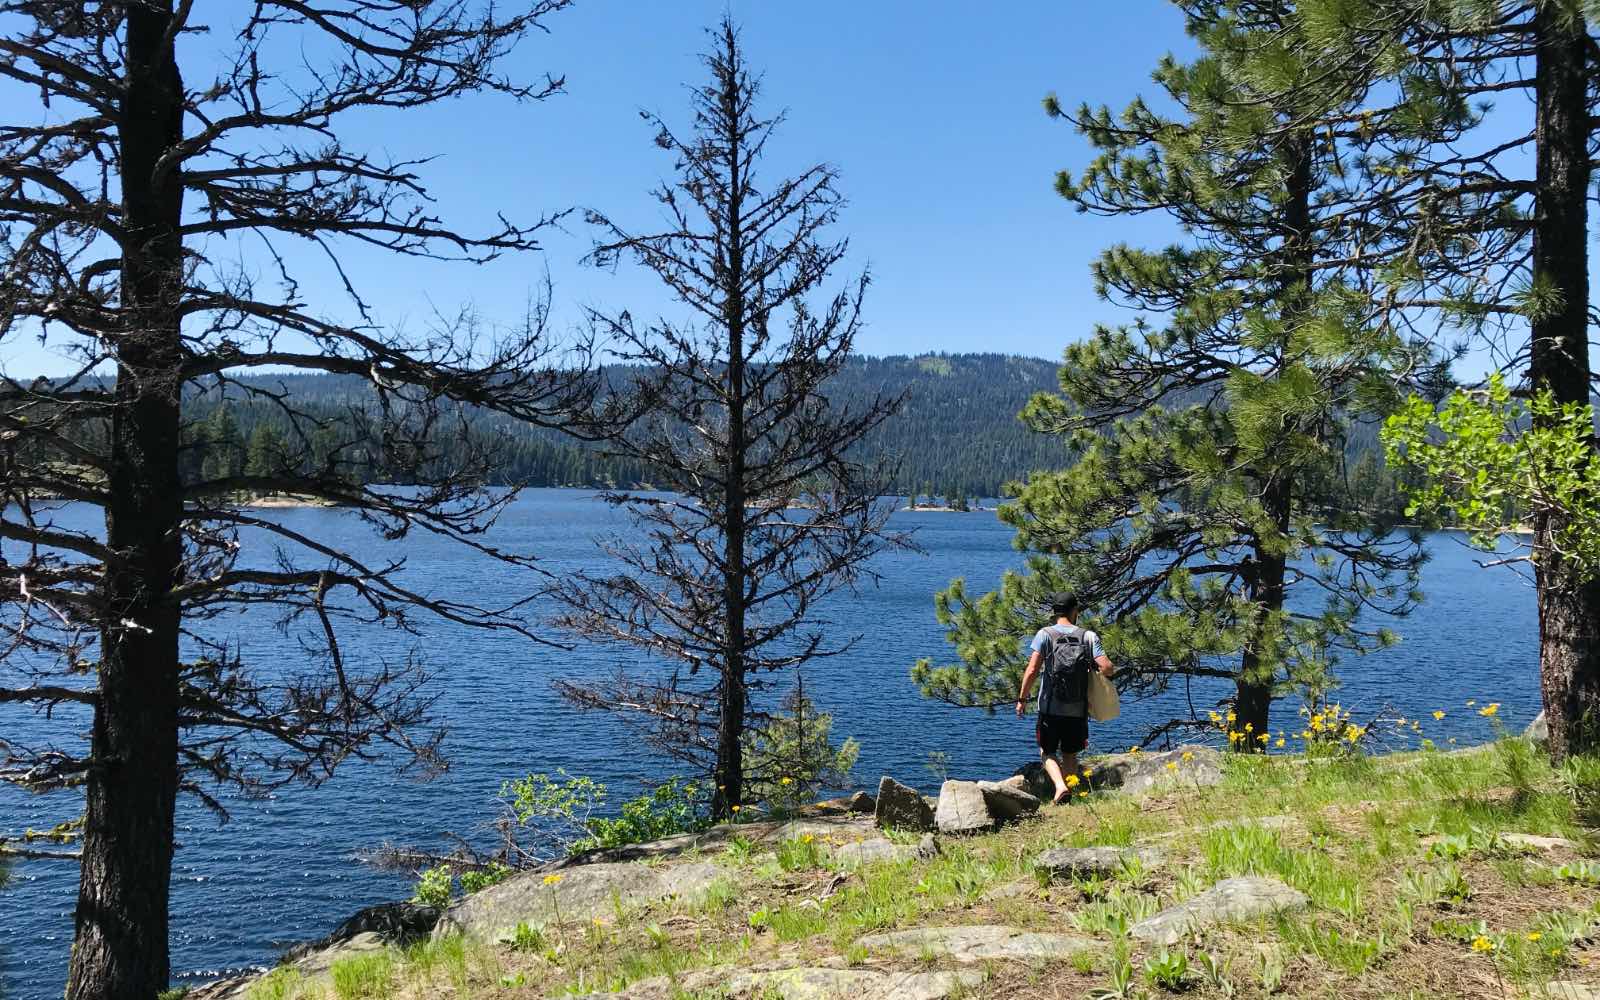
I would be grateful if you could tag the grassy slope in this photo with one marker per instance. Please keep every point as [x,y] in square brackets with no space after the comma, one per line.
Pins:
[1399,855]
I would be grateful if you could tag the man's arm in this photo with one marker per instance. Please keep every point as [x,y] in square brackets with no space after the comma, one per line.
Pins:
[1104,663]
[1027,680]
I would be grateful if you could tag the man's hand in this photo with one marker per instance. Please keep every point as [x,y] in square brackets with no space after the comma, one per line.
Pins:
[1105,670]
[1019,708]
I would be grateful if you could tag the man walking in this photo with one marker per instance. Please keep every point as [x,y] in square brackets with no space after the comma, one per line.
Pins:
[1065,654]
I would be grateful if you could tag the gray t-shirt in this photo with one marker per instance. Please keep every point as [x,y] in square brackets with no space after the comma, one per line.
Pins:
[1041,644]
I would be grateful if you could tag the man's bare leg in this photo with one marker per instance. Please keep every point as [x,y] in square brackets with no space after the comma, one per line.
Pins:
[1053,769]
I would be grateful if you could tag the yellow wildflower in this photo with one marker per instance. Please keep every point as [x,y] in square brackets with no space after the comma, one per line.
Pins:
[1534,935]
[1437,715]
[1188,755]
[1088,771]
[1280,743]
[808,838]
[1215,717]
[1072,781]
[1249,727]
[553,878]
[1481,943]
[1172,765]
[1133,750]
[1488,711]
[1262,739]
[734,808]
[1083,795]
[1231,716]
[786,781]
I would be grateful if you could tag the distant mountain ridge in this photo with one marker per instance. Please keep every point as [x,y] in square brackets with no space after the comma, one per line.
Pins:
[957,434]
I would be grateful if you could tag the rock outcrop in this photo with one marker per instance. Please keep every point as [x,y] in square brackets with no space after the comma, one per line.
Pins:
[576,894]
[1082,862]
[901,807]
[1242,898]
[976,943]
[1136,772]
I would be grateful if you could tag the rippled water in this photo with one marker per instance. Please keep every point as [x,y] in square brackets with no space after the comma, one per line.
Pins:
[282,872]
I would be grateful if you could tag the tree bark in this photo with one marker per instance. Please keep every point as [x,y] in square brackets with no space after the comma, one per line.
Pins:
[120,950]
[730,722]
[1569,606]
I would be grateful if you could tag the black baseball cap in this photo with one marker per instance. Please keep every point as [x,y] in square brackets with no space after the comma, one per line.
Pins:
[1062,602]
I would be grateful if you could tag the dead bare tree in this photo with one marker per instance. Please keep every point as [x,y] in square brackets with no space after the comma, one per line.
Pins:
[765,513]
[145,227]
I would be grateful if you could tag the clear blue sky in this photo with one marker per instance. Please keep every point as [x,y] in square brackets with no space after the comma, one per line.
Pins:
[930,111]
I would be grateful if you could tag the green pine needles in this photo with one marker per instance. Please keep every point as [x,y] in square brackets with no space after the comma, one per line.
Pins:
[1207,517]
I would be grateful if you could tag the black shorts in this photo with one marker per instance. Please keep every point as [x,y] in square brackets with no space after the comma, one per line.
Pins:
[1062,734]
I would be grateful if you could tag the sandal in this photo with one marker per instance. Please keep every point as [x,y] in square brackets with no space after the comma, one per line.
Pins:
[1061,796]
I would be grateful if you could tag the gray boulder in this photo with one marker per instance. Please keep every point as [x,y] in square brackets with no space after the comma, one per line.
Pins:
[927,847]
[576,894]
[1081,862]
[861,802]
[901,806]
[1008,799]
[822,983]
[1538,730]
[1243,898]
[962,808]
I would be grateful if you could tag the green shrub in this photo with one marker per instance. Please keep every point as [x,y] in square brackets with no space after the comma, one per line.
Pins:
[790,758]
[1580,776]
[433,887]
[677,806]
[476,881]
[1168,970]
[563,810]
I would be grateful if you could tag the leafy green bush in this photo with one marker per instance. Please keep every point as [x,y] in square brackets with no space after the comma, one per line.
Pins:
[477,881]
[563,811]
[433,887]
[674,807]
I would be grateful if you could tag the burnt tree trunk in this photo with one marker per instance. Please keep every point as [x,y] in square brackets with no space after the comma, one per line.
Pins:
[1253,692]
[121,944]
[1569,606]
[731,707]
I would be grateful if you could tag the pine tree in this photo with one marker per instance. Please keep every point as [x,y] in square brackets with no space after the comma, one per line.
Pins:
[1194,522]
[768,512]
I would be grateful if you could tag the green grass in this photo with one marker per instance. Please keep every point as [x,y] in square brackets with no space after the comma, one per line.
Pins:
[364,977]
[1403,858]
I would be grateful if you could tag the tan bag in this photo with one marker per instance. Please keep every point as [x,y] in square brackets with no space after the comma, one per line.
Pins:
[1103,702]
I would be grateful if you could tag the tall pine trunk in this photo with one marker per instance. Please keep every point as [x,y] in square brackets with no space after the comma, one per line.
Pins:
[730,721]
[1569,607]
[120,949]
[1253,692]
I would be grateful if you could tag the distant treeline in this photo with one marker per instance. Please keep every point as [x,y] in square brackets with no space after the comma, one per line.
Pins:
[956,436]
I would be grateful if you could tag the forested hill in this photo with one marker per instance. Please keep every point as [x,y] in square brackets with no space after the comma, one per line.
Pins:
[957,435]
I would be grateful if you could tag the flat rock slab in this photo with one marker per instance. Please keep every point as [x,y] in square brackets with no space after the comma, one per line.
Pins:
[1243,898]
[1561,990]
[976,943]
[901,806]
[1136,773]
[577,895]
[821,983]
[1081,862]
[1537,843]
[962,808]
[872,850]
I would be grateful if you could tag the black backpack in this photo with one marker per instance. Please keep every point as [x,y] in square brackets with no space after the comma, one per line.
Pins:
[1067,661]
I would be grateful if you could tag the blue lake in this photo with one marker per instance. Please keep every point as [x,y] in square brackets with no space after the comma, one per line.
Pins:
[282,871]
